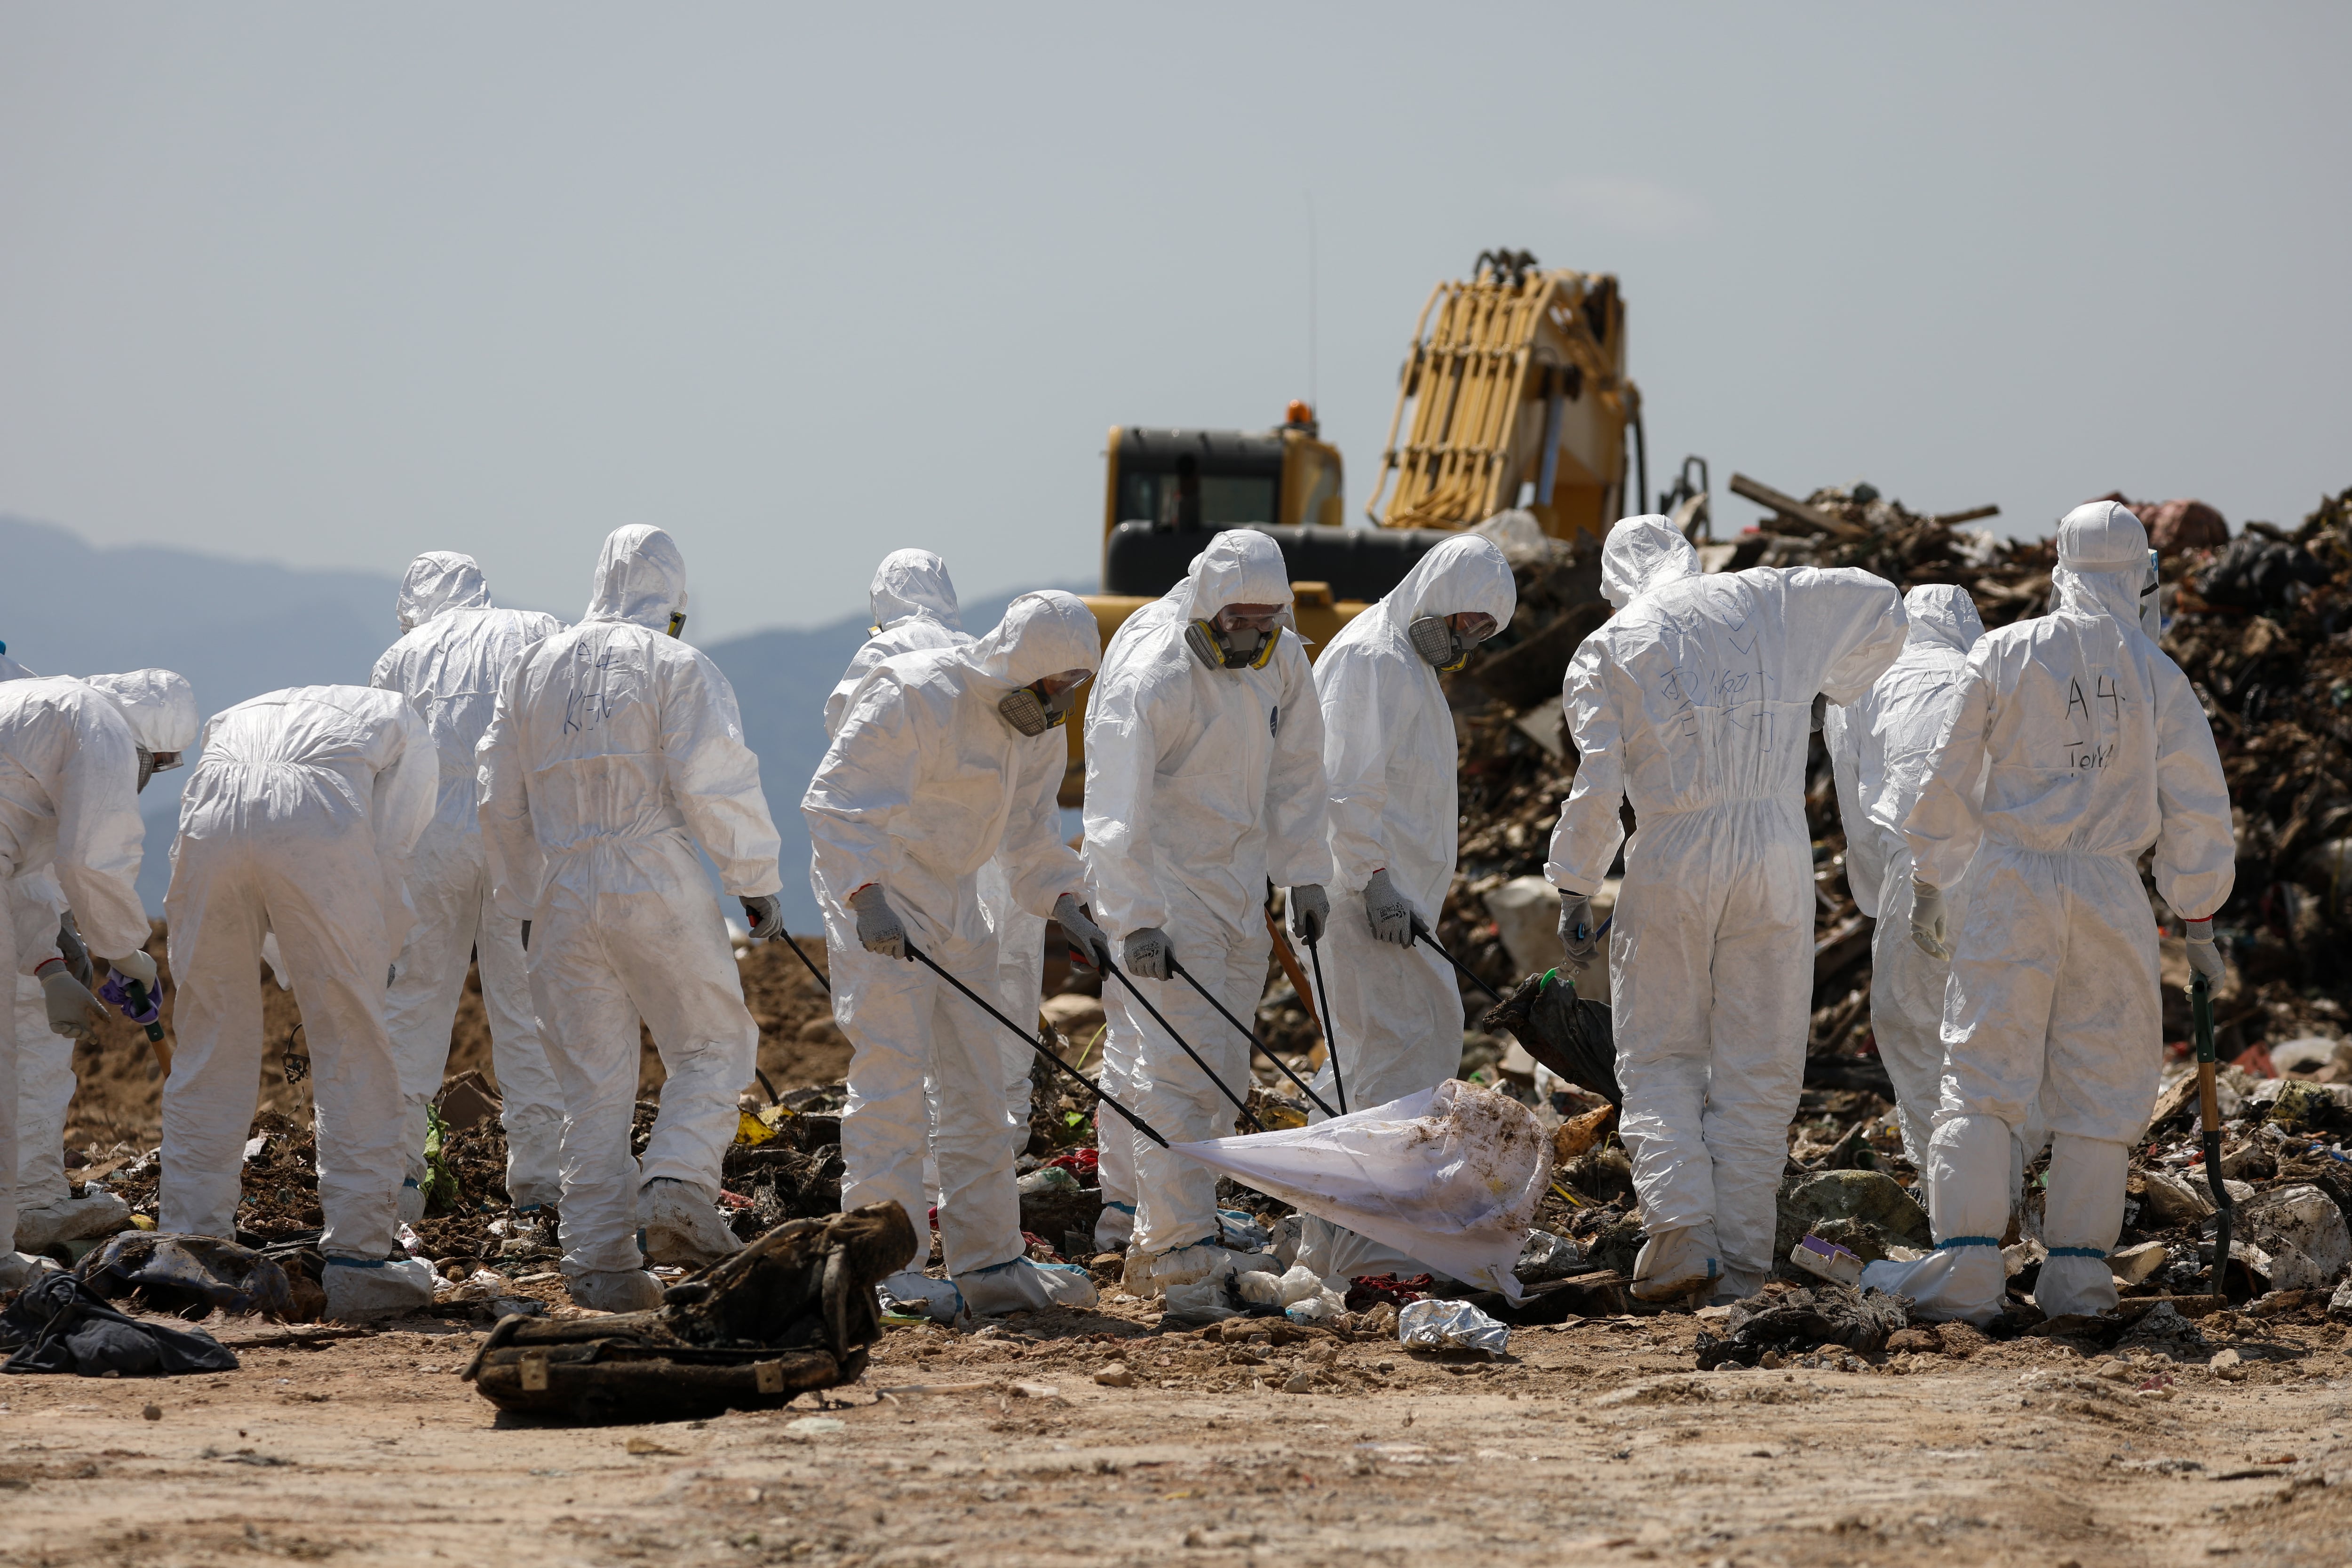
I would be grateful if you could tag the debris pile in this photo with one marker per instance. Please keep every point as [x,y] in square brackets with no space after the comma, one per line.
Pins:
[2261,622]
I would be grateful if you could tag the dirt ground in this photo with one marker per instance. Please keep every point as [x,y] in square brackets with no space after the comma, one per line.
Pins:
[1594,1442]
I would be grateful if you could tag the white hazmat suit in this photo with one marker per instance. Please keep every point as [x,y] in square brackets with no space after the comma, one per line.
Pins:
[615,750]
[1694,702]
[161,709]
[1880,746]
[456,649]
[1203,785]
[925,783]
[914,605]
[1390,758]
[2076,746]
[69,803]
[297,821]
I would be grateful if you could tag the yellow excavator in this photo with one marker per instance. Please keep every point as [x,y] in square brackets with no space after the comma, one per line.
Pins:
[1513,393]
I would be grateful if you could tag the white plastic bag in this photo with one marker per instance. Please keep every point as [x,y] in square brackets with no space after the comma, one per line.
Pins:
[1450,1326]
[1451,1175]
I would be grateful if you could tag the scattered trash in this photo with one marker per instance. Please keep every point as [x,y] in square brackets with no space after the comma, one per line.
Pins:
[1547,1257]
[1827,1315]
[188,1276]
[2302,1235]
[1450,1326]
[1826,1260]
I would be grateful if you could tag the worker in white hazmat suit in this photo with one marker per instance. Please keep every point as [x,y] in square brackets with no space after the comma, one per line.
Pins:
[35,906]
[70,769]
[161,709]
[455,649]
[2076,746]
[615,750]
[913,601]
[1880,746]
[297,821]
[1694,702]
[1389,757]
[1205,782]
[944,759]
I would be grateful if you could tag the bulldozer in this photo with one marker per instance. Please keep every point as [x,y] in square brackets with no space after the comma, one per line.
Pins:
[1513,394]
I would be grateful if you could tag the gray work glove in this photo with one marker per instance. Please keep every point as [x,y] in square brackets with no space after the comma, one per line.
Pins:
[1578,937]
[2204,958]
[1310,912]
[1392,916]
[879,925]
[1147,952]
[73,1011]
[1928,920]
[1089,944]
[765,914]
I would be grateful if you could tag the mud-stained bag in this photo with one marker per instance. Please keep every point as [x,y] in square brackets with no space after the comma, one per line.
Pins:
[1451,1176]
[794,1310]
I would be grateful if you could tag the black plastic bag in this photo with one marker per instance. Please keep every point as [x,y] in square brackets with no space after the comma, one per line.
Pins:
[1562,1030]
[58,1324]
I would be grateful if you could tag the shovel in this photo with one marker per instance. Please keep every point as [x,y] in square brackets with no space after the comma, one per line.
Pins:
[2208,1119]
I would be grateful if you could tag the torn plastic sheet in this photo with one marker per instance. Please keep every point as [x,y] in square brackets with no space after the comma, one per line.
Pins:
[1451,1175]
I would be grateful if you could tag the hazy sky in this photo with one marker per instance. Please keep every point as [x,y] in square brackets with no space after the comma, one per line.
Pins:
[332,284]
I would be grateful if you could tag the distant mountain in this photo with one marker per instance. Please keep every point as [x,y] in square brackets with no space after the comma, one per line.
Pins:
[238,628]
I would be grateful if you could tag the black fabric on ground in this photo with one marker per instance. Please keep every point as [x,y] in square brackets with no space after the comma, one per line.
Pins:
[58,1324]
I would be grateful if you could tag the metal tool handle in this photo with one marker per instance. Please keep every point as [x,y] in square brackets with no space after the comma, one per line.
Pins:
[1421,933]
[1330,1042]
[920,956]
[2208,1120]
[1207,995]
[1240,1104]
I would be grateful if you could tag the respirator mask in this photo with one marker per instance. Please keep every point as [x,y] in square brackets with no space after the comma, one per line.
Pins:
[1436,640]
[1032,710]
[676,621]
[154,762]
[1246,648]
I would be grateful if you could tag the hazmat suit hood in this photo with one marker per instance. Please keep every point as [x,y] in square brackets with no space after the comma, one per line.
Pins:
[1942,615]
[1466,574]
[440,580]
[1041,634]
[640,578]
[913,583]
[159,705]
[1239,567]
[2101,561]
[1642,553]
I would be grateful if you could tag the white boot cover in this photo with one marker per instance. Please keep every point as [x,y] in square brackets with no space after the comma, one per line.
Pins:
[2082,1214]
[1674,1263]
[616,1290]
[99,1213]
[1023,1285]
[1965,1278]
[682,1227]
[358,1291]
